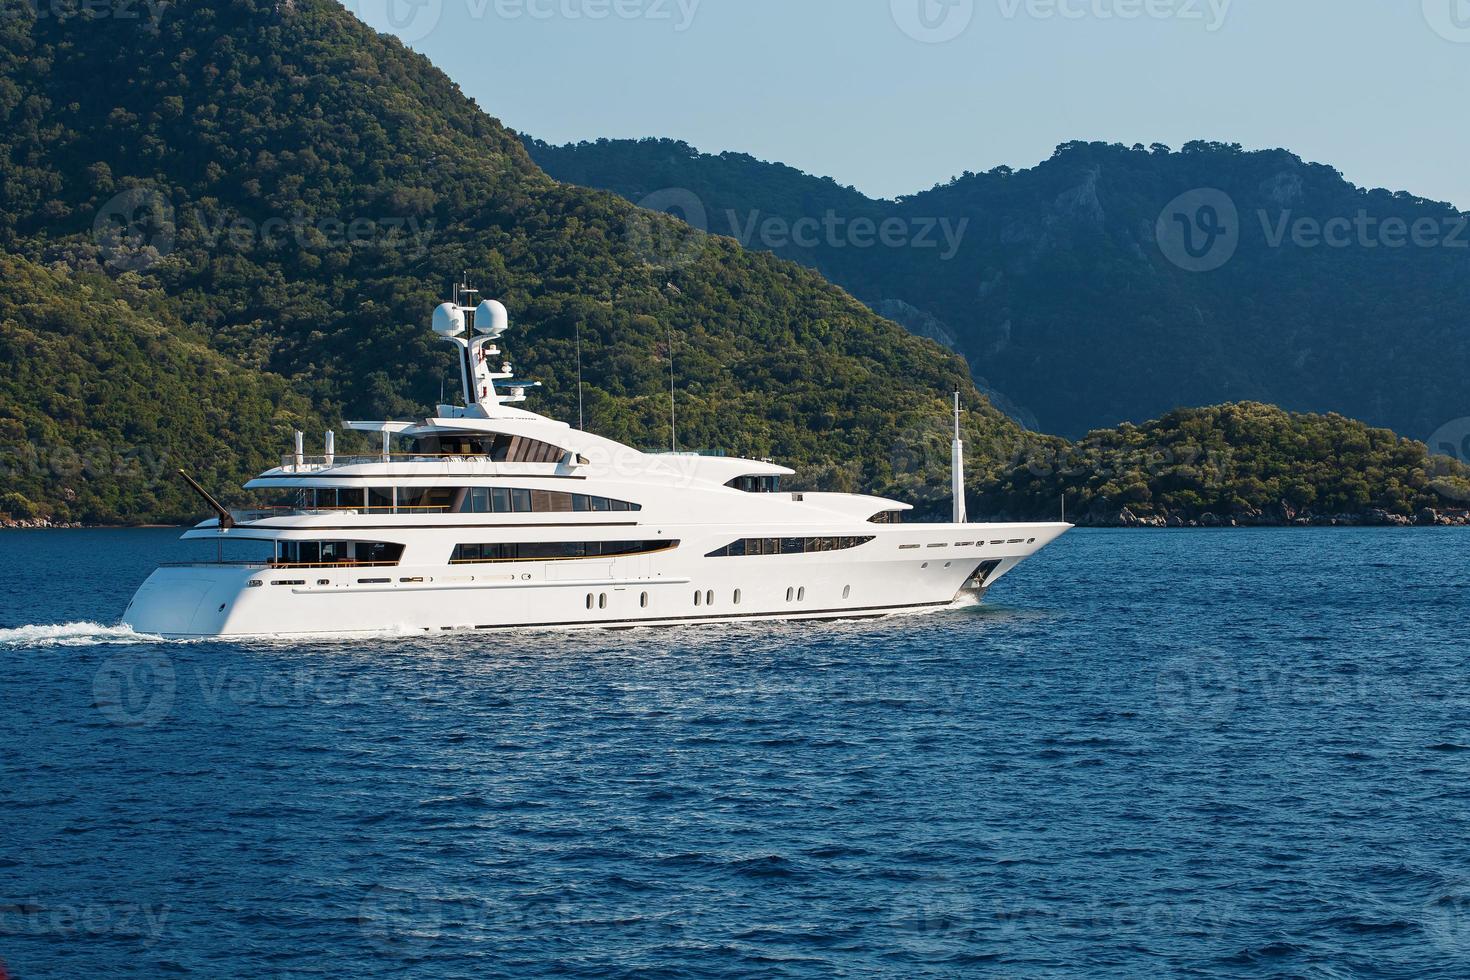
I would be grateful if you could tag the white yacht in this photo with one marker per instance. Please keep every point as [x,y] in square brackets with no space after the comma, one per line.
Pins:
[490,517]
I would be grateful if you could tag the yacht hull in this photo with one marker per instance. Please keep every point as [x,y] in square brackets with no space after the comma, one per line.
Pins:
[905,568]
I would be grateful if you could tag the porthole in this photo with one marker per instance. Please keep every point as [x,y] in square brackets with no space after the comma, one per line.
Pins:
[847,592]
[801,594]
[737,597]
[602,601]
[643,600]
[709,598]
[789,594]
[925,565]
[698,598]
[589,600]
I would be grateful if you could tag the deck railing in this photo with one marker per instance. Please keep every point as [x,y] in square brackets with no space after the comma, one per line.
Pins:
[288,461]
[289,510]
[268,563]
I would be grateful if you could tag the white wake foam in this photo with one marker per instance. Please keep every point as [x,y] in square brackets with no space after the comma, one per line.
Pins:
[72,634]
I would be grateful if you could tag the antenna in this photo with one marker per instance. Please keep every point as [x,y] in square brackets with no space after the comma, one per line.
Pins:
[957,467]
[673,430]
[581,423]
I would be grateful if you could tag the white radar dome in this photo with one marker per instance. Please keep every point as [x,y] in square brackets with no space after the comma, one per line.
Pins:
[448,321]
[491,317]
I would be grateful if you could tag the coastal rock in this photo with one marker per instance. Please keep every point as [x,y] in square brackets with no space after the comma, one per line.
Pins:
[1428,517]
[1382,518]
[35,524]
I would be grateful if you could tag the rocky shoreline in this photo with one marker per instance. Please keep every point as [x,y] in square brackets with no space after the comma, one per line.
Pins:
[1370,518]
[38,523]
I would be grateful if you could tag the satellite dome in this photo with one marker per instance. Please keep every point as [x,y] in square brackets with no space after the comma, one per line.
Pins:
[448,320]
[492,318]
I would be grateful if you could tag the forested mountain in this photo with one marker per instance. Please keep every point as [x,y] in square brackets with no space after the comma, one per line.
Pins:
[1293,286]
[296,191]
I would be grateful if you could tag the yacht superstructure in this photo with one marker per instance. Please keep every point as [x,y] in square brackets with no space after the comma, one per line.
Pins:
[491,517]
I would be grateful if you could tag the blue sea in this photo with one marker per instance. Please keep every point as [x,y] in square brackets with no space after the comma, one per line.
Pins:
[1200,753]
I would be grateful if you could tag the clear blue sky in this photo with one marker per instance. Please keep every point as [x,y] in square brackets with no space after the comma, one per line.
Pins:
[845,88]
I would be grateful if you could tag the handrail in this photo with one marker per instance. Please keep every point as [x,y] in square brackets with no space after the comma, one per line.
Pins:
[334,564]
[267,563]
[400,509]
[356,459]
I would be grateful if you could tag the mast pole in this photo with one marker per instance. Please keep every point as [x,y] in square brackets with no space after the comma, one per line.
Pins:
[673,430]
[957,467]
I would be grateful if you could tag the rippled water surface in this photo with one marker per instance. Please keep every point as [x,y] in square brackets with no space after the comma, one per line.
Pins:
[1207,753]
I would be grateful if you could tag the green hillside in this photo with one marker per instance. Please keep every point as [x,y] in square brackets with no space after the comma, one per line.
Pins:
[1245,463]
[299,191]
[100,404]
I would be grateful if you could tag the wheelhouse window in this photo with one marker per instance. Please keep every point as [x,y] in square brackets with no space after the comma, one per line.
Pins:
[304,554]
[887,517]
[749,547]
[756,484]
[458,500]
[503,500]
[471,554]
[497,448]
